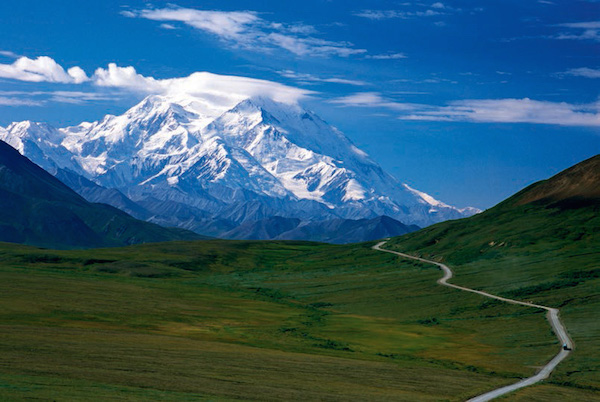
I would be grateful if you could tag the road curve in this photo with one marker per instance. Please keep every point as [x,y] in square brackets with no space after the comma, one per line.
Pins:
[552,316]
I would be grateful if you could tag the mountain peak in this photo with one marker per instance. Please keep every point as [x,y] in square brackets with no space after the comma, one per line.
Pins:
[208,153]
[36,129]
[155,106]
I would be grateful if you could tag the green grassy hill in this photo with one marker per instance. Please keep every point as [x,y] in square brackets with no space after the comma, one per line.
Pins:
[542,245]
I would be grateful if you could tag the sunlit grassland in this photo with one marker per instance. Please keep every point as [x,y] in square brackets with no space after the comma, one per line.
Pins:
[251,320]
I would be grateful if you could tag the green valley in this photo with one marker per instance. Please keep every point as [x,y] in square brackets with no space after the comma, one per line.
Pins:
[272,320]
[256,320]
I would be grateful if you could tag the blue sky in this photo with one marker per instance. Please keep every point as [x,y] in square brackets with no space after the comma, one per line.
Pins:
[467,101]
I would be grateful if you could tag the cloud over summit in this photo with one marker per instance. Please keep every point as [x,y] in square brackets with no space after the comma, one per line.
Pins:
[226,88]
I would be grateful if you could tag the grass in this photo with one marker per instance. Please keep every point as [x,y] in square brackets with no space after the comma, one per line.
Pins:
[251,320]
[545,253]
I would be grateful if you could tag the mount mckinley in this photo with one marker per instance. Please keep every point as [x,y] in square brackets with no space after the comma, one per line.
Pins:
[188,162]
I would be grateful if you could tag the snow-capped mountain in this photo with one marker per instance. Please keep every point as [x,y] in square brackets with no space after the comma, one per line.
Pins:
[251,161]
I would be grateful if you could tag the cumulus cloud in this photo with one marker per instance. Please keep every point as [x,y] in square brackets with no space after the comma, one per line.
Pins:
[42,69]
[125,77]
[512,111]
[248,30]
[77,75]
[224,88]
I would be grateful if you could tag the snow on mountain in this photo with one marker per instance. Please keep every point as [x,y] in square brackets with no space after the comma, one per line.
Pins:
[279,158]
[41,143]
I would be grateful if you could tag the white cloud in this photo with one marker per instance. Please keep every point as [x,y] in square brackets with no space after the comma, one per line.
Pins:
[582,25]
[224,88]
[79,97]
[377,14]
[230,25]
[42,69]
[128,14]
[583,72]
[433,80]
[302,77]
[125,77]
[389,56]
[589,30]
[14,101]
[512,111]
[310,46]
[168,26]
[390,14]
[585,31]
[8,53]
[39,98]
[77,75]
[416,10]
[483,110]
[246,29]
[360,99]
[371,100]
[344,81]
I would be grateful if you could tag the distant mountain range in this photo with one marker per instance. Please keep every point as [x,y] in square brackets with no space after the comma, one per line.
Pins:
[220,171]
[38,209]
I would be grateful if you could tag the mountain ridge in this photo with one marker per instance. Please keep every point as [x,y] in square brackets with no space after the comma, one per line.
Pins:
[215,159]
[38,209]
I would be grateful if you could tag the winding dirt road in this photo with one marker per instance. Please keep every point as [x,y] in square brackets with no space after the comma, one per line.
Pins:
[552,316]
